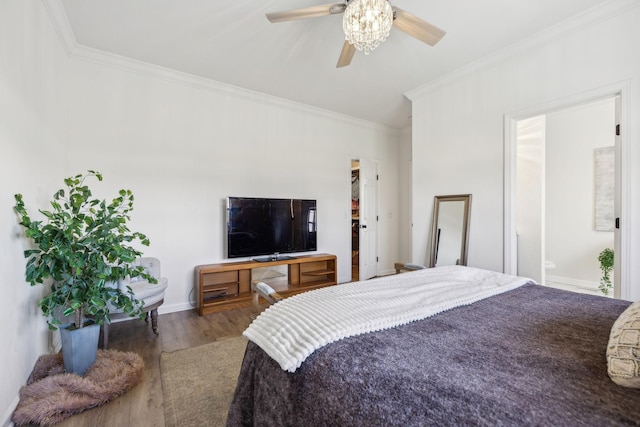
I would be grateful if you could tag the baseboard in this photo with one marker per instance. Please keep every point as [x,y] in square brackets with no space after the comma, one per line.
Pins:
[6,417]
[387,272]
[163,309]
[586,284]
[172,308]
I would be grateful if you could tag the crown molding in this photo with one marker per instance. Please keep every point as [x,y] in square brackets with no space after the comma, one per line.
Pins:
[60,21]
[58,16]
[598,13]
[96,56]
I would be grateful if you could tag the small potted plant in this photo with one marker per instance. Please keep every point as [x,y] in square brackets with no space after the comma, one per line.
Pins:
[606,265]
[82,248]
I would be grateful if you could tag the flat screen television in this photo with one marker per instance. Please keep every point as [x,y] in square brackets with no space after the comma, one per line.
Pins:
[264,226]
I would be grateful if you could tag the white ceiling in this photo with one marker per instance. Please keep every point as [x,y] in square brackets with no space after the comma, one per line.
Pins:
[231,41]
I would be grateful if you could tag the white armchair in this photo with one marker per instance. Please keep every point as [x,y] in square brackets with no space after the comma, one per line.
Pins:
[152,294]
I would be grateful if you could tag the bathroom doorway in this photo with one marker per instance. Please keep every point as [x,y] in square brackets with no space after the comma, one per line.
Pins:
[565,194]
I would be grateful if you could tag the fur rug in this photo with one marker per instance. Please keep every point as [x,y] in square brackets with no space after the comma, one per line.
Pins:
[52,395]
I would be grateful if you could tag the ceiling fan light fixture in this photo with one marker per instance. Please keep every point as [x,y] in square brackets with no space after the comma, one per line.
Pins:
[367,23]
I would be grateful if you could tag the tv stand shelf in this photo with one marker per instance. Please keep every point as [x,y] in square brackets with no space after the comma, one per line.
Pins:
[226,286]
[317,272]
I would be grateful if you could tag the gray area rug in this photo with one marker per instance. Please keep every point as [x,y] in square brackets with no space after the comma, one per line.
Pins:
[198,383]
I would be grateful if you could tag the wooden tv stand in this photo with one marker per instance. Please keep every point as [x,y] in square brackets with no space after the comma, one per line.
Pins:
[226,286]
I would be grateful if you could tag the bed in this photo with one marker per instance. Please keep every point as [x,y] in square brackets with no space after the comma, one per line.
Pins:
[524,355]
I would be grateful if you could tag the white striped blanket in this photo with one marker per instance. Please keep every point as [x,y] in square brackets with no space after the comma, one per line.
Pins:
[295,327]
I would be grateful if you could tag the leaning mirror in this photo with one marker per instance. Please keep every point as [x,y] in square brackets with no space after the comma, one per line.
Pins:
[450,230]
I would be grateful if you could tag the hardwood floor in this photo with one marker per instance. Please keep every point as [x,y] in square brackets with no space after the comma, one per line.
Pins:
[143,405]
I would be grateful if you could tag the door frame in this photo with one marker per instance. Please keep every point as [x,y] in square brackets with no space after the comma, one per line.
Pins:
[372,225]
[623,196]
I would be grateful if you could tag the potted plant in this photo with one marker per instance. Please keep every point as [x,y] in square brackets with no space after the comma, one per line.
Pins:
[82,248]
[606,265]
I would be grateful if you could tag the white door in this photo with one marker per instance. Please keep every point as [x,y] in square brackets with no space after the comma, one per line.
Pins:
[368,235]
[530,198]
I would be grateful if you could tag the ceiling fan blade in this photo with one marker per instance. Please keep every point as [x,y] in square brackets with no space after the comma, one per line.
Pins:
[416,27]
[348,50]
[308,12]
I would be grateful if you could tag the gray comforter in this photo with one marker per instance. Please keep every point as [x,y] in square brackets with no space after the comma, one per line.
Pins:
[532,356]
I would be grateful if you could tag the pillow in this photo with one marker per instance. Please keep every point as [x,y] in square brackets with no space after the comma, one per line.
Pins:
[623,351]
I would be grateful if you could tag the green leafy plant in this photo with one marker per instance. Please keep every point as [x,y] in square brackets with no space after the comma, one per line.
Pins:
[83,247]
[606,265]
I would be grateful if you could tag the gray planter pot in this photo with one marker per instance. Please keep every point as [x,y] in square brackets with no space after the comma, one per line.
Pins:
[79,347]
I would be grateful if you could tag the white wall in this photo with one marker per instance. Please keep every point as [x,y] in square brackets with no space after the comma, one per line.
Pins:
[182,150]
[182,146]
[33,102]
[405,168]
[571,240]
[458,132]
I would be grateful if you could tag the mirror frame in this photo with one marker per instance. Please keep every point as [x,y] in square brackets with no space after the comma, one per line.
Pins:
[464,245]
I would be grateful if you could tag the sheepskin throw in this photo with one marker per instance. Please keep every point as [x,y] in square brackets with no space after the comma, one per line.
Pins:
[295,327]
[52,395]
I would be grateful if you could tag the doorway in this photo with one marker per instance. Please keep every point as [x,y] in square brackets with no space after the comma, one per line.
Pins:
[565,189]
[355,220]
[364,219]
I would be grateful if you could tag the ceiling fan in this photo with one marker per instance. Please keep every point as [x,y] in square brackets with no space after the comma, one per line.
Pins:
[366,24]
